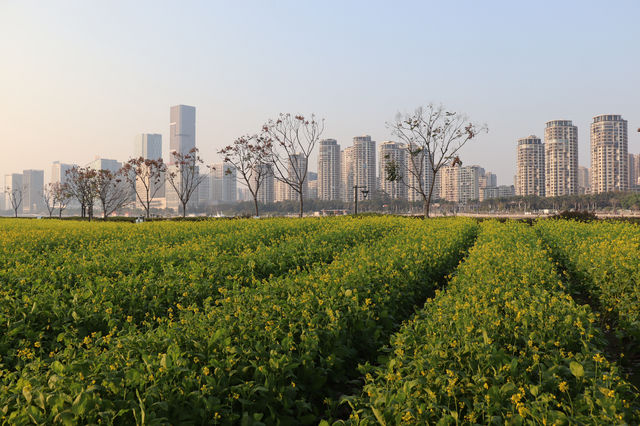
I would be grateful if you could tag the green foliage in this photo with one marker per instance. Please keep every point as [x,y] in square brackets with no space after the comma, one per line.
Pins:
[503,344]
[277,321]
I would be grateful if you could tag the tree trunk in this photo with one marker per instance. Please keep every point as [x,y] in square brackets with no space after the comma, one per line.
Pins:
[255,203]
[301,204]
[184,210]
[15,212]
[427,200]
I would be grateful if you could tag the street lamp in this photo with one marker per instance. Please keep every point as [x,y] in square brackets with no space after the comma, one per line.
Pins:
[363,190]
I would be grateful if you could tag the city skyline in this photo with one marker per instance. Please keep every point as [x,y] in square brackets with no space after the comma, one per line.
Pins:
[104,86]
[545,169]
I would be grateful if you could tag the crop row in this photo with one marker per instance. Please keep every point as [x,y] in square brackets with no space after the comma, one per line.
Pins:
[281,349]
[91,303]
[503,344]
[603,261]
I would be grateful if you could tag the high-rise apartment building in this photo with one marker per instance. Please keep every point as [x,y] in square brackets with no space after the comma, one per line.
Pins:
[33,186]
[530,179]
[419,168]
[450,183]
[313,189]
[329,170]
[583,180]
[223,184]
[298,168]
[13,185]
[560,158]
[182,129]
[347,158]
[609,154]
[205,191]
[487,180]
[634,171]
[148,146]
[266,192]
[59,172]
[244,194]
[393,153]
[469,183]
[364,164]
[280,191]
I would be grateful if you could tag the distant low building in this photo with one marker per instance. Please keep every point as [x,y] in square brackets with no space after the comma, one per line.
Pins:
[502,191]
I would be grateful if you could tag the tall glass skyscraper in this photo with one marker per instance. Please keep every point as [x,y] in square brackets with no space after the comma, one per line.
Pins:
[148,146]
[182,129]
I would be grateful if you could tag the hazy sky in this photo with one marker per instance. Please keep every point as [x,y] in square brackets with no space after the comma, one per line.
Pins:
[80,79]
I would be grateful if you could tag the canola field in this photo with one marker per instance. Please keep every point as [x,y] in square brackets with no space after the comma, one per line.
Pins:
[319,321]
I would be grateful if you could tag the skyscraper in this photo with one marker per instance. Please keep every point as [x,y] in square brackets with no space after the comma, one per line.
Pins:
[59,172]
[347,157]
[469,183]
[488,182]
[329,170]
[280,191]
[450,183]
[419,168]
[13,185]
[609,154]
[182,139]
[298,168]
[182,129]
[583,180]
[313,189]
[364,164]
[634,170]
[266,192]
[561,158]
[148,146]
[530,178]
[223,183]
[33,186]
[393,153]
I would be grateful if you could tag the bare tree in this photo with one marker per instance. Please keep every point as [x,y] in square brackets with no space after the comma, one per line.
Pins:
[61,196]
[15,198]
[293,139]
[184,175]
[147,178]
[434,136]
[112,190]
[250,156]
[49,199]
[81,185]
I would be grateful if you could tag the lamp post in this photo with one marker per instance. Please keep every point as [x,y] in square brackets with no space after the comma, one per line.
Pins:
[363,190]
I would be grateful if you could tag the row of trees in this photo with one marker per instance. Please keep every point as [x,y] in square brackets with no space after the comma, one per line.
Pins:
[139,180]
[282,147]
[433,135]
